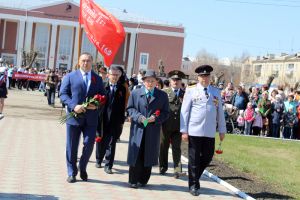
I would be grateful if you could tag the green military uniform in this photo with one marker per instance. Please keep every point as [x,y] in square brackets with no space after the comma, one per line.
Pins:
[170,128]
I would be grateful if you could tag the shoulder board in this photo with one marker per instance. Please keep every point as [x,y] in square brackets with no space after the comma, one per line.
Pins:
[192,86]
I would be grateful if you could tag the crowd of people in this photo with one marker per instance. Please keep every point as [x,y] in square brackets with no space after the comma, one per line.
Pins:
[263,111]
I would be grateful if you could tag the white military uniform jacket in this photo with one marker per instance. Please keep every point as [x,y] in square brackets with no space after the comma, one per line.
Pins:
[200,116]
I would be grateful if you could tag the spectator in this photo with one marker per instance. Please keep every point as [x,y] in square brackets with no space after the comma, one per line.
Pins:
[264,105]
[290,119]
[257,123]
[249,118]
[3,89]
[240,99]
[276,113]
[241,121]
[166,83]
[51,83]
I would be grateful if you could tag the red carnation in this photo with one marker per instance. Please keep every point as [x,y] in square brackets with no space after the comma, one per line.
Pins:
[219,151]
[93,79]
[157,113]
[98,139]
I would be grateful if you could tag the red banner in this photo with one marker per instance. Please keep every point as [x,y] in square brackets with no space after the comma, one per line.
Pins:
[27,76]
[102,29]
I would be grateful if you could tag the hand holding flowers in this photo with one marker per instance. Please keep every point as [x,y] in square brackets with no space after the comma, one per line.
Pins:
[90,104]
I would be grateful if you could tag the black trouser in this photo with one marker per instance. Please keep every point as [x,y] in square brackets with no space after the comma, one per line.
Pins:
[107,146]
[201,151]
[256,130]
[139,173]
[167,137]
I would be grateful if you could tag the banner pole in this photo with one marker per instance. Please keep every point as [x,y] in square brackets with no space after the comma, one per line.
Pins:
[79,35]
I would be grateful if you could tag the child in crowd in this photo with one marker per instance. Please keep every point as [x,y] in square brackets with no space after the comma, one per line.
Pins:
[289,120]
[249,118]
[277,108]
[257,123]
[240,121]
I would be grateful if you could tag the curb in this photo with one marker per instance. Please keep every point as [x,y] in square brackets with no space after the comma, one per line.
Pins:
[222,182]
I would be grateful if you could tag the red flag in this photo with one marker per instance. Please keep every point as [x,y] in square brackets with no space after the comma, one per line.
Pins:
[102,29]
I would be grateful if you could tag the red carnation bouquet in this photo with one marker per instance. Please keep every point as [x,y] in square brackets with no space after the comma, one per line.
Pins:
[98,100]
[219,149]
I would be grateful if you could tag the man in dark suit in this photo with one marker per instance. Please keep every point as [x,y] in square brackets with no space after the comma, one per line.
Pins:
[171,127]
[76,87]
[148,108]
[112,120]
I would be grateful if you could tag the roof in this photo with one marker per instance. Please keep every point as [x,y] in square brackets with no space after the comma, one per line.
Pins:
[121,14]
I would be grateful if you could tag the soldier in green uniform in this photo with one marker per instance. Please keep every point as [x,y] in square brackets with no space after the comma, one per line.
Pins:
[170,128]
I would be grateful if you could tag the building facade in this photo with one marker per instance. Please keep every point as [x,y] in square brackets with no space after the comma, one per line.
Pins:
[285,68]
[52,31]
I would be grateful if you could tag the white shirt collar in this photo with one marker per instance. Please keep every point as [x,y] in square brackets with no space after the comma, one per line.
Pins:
[83,73]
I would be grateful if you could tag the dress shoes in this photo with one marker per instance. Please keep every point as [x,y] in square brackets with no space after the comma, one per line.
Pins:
[176,175]
[142,184]
[162,171]
[133,185]
[194,192]
[83,175]
[108,170]
[98,165]
[71,179]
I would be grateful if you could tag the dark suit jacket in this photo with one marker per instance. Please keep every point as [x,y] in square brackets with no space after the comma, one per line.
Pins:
[114,110]
[72,93]
[137,107]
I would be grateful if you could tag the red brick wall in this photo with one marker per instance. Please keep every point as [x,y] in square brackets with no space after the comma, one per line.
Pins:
[167,48]
[10,37]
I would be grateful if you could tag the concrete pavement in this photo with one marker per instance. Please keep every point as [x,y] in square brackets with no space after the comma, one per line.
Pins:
[32,161]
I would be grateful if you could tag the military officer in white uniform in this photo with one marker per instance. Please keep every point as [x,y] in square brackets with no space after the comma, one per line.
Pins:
[201,113]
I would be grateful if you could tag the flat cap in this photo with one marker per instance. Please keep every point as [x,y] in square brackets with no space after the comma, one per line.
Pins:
[204,70]
[176,74]
[149,73]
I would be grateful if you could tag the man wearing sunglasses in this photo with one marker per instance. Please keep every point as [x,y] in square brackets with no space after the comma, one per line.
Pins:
[201,112]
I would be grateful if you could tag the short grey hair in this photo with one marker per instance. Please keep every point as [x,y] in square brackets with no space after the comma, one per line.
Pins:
[114,68]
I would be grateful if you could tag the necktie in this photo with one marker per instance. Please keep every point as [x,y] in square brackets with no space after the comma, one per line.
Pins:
[176,92]
[148,96]
[112,90]
[86,81]
[206,94]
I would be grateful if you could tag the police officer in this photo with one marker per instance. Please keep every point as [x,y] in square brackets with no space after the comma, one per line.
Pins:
[201,113]
[171,128]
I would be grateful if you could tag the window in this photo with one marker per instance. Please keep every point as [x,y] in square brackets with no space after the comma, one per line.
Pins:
[41,44]
[144,60]
[65,46]
[290,70]
[258,70]
[87,46]
[275,70]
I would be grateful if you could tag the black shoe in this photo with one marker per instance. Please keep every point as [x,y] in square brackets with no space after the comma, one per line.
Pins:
[176,175]
[108,171]
[194,192]
[162,171]
[133,185]
[83,175]
[142,184]
[71,179]
[98,165]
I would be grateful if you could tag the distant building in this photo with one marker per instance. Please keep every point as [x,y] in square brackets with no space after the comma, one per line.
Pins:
[285,68]
[52,30]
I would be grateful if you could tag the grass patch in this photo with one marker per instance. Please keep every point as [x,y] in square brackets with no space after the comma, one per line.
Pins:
[275,161]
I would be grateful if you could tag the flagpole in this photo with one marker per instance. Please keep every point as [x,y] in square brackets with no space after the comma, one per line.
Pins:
[79,35]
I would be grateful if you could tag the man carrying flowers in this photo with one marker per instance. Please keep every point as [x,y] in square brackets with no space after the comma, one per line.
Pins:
[76,88]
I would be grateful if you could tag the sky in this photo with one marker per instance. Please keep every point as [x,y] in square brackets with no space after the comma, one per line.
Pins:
[226,28]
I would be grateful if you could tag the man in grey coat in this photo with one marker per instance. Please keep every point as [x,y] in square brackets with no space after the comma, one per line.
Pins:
[148,108]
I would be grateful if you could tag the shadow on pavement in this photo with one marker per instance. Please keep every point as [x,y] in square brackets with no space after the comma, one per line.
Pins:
[26,196]
[234,177]
[267,195]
